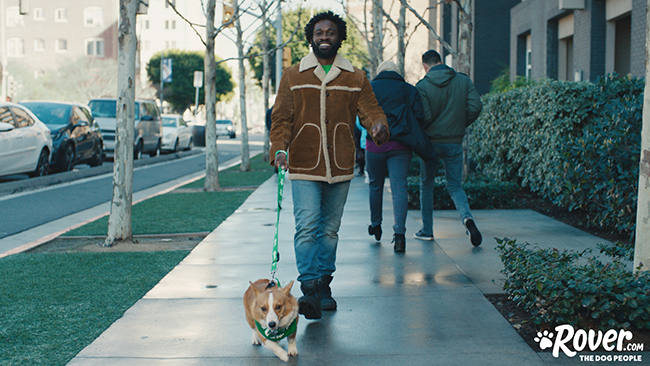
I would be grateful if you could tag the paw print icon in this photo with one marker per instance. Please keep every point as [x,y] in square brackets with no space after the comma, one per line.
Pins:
[544,339]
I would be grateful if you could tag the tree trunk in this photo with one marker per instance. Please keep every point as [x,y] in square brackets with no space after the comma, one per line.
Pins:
[245,154]
[377,52]
[265,78]
[642,243]
[465,63]
[211,158]
[401,34]
[119,221]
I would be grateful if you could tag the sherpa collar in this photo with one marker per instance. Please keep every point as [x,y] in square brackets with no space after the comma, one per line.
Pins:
[278,334]
[340,63]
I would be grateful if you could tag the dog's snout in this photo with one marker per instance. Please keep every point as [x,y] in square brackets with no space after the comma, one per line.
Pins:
[272,325]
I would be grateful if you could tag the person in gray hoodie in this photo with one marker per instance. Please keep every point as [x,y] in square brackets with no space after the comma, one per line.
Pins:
[451,104]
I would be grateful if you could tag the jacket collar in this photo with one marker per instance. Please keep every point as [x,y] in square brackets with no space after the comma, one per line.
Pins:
[340,63]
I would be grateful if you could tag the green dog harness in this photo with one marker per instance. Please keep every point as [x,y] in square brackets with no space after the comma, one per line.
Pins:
[278,334]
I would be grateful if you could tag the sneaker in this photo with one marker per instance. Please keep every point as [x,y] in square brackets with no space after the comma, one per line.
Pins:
[421,236]
[474,235]
[400,243]
[376,231]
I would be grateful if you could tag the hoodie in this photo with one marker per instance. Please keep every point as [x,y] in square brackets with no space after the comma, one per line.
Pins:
[451,103]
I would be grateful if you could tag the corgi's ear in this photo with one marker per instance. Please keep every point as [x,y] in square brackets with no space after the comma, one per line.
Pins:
[255,290]
[287,288]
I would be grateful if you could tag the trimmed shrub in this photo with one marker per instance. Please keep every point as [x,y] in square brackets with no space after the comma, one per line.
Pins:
[574,143]
[568,287]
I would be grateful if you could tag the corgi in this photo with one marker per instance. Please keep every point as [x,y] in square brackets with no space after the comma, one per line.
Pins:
[272,313]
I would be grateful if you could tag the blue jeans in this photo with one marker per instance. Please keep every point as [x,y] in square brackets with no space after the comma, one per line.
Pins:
[317,209]
[396,163]
[452,156]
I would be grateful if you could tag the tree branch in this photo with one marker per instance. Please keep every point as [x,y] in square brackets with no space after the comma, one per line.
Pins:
[442,41]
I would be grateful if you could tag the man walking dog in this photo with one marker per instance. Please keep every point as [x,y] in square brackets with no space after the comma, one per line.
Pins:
[312,135]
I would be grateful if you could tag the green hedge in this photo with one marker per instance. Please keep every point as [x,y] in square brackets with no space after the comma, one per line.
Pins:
[574,143]
[568,287]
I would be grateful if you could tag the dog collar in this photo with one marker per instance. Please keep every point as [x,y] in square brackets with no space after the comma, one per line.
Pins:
[278,334]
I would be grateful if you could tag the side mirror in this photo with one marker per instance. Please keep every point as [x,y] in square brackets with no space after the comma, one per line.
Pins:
[6,127]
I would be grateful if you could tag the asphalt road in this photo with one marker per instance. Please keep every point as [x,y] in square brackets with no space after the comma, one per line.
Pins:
[76,191]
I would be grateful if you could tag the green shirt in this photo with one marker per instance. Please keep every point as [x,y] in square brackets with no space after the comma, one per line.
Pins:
[327,68]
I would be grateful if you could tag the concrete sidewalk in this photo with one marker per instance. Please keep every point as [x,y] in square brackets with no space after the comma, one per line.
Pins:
[424,307]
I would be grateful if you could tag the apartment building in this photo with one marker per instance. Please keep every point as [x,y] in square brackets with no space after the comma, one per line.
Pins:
[577,40]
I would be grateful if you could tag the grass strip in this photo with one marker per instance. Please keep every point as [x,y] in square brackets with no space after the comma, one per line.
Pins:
[54,305]
[176,213]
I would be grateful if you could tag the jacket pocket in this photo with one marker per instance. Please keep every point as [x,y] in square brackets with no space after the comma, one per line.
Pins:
[343,146]
[304,151]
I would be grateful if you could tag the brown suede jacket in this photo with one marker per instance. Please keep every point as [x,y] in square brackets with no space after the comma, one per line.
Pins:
[314,116]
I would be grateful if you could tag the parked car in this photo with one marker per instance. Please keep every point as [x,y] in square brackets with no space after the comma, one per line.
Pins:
[224,128]
[25,142]
[148,125]
[176,133]
[75,136]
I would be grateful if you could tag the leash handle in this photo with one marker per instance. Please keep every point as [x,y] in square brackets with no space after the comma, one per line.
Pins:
[275,256]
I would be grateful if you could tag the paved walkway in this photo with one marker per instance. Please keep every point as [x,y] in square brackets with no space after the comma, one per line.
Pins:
[425,307]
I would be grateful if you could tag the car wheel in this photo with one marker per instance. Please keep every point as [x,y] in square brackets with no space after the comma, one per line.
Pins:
[176,146]
[137,152]
[157,151]
[190,145]
[233,136]
[68,158]
[98,158]
[43,166]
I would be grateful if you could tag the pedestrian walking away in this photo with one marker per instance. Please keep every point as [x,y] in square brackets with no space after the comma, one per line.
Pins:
[451,104]
[313,121]
[392,158]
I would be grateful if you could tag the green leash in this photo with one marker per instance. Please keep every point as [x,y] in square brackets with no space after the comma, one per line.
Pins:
[275,256]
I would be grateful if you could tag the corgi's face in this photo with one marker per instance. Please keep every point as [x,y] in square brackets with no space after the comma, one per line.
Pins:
[275,308]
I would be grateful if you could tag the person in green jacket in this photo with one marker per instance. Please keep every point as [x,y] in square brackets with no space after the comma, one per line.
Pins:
[451,104]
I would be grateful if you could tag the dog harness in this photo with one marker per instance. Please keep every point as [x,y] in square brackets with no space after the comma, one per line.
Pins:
[277,334]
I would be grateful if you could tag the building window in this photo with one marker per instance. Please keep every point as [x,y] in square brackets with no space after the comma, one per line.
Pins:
[39,73]
[623,45]
[173,24]
[93,17]
[15,47]
[95,47]
[13,17]
[39,14]
[61,45]
[60,15]
[146,24]
[565,48]
[147,45]
[39,45]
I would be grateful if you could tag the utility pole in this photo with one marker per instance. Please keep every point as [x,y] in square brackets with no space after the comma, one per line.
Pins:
[278,52]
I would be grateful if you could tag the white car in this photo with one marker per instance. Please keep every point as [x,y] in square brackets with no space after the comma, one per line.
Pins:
[177,135]
[25,142]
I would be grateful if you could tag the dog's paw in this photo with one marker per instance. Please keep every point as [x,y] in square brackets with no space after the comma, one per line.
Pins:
[284,356]
[293,351]
[255,340]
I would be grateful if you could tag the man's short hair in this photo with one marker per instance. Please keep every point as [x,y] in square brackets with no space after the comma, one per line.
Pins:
[431,57]
[340,25]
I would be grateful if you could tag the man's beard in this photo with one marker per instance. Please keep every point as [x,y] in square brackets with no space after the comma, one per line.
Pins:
[326,55]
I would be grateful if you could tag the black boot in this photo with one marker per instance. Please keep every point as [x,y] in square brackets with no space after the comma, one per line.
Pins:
[327,303]
[400,243]
[309,305]
[375,230]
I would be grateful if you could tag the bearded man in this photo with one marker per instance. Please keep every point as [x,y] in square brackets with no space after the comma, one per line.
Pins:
[313,123]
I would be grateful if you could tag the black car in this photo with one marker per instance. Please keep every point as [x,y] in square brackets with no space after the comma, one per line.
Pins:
[75,136]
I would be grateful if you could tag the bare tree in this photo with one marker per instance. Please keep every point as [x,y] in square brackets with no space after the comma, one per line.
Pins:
[211,182]
[119,221]
[266,73]
[245,153]
[642,240]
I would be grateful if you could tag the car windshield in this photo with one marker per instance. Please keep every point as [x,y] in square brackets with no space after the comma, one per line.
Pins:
[224,121]
[169,122]
[52,114]
[103,108]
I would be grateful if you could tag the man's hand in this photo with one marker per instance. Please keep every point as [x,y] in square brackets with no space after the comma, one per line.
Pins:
[379,134]
[281,161]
